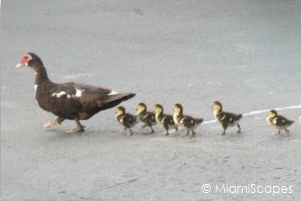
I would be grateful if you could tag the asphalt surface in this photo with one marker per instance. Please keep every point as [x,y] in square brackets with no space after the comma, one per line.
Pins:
[243,53]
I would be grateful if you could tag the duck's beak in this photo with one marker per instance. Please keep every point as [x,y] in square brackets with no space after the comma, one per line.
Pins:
[19,65]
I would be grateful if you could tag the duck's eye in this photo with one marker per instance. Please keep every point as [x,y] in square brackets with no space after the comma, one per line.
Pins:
[25,59]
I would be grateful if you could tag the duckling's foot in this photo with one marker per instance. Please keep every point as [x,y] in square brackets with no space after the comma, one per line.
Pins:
[193,134]
[130,133]
[239,129]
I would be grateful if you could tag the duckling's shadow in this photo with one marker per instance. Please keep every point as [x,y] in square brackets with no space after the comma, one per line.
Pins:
[232,136]
[280,136]
[147,133]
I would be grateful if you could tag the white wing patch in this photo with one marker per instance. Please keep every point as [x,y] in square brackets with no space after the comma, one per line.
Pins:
[58,95]
[79,93]
[113,92]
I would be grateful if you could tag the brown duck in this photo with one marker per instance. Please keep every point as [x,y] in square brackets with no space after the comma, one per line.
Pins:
[72,101]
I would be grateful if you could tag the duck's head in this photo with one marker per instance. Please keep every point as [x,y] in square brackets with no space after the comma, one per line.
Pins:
[272,113]
[141,107]
[119,111]
[178,108]
[158,109]
[30,60]
[217,106]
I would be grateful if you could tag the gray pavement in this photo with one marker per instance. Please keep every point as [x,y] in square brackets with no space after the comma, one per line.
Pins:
[243,53]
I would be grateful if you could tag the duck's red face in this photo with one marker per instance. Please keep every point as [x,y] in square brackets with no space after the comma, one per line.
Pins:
[24,60]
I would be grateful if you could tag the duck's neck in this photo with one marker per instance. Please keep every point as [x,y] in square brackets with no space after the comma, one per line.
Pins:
[41,75]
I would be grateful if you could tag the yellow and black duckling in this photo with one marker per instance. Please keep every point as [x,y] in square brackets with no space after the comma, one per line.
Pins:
[184,121]
[164,119]
[226,119]
[125,119]
[146,117]
[279,122]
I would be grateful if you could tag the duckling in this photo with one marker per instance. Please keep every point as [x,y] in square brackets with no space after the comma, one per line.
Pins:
[278,121]
[125,119]
[146,117]
[184,121]
[164,119]
[227,119]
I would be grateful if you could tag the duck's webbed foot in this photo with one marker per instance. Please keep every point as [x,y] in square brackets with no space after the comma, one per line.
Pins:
[79,128]
[54,122]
